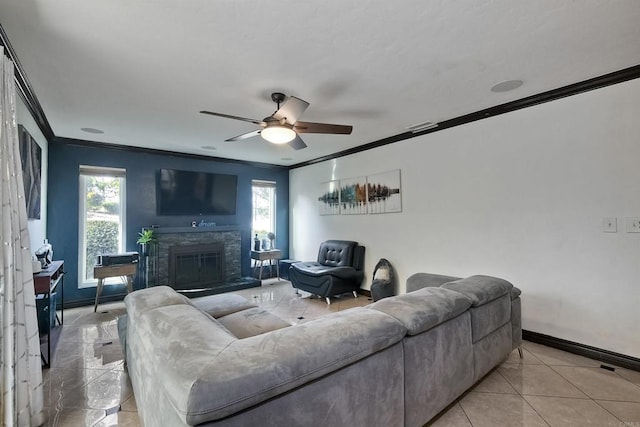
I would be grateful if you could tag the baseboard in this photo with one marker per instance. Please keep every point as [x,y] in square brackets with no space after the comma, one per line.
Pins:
[599,354]
[365,292]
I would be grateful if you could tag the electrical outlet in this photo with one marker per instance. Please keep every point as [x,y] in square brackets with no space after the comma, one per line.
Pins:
[633,225]
[609,225]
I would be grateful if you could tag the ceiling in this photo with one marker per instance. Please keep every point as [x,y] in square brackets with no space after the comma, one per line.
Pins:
[141,71]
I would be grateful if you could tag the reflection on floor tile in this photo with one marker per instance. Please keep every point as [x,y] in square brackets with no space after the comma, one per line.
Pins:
[538,380]
[453,417]
[488,409]
[494,383]
[88,383]
[629,412]
[559,411]
[599,383]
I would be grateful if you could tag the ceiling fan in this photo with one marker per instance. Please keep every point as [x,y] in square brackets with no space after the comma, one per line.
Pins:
[283,126]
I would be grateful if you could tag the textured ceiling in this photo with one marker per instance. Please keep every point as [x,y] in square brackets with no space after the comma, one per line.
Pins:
[141,71]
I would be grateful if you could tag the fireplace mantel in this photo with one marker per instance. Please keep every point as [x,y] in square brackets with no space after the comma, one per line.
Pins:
[165,230]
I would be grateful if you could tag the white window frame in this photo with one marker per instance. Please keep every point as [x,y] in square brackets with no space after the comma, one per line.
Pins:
[267,184]
[85,171]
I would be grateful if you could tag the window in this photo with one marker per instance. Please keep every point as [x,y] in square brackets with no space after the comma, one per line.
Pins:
[102,218]
[264,209]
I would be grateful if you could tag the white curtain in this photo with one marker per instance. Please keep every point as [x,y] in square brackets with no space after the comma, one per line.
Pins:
[20,363]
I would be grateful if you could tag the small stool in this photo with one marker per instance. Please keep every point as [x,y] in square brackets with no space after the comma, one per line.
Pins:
[285,265]
[124,271]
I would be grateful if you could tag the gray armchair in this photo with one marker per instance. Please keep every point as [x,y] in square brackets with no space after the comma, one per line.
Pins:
[339,269]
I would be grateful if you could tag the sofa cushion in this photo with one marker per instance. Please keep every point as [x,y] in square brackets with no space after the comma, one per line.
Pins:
[255,369]
[252,322]
[480,289]
[143,300]
[222,304]
[423,309]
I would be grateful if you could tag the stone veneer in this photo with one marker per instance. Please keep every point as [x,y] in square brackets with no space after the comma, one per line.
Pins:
[174,236]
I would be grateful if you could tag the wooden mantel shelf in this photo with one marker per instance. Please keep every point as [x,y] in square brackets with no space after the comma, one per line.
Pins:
[166,230]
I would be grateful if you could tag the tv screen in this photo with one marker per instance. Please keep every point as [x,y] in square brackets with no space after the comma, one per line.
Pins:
[195,193]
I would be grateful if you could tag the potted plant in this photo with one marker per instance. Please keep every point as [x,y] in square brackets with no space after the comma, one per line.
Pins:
[145,237]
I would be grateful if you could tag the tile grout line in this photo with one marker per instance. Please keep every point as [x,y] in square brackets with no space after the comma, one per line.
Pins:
[524,399]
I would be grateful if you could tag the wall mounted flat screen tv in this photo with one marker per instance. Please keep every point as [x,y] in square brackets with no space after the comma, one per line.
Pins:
[195,193]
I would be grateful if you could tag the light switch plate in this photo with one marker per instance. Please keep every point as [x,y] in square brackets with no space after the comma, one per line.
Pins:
[609,225]
[633,225]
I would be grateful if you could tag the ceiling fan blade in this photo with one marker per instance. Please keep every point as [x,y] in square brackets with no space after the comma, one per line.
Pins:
[297,143]
[244,135]
[309,127]
[291,110]
[227,116]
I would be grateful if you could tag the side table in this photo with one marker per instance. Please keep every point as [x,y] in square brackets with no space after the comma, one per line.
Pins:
[45,284]
[124,271]
[262,256]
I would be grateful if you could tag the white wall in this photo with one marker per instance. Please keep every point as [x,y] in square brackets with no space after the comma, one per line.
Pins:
[37,227]
[520,196]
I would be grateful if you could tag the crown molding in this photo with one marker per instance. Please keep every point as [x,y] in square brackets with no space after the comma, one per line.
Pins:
[530,101]
[25,90]
[143,150]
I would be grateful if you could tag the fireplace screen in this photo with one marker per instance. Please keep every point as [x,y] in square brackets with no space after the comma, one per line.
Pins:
[196,266]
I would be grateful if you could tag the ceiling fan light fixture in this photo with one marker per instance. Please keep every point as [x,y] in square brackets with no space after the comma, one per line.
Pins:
[278,134]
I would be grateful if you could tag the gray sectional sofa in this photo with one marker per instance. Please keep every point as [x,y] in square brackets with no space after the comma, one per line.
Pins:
[221,360]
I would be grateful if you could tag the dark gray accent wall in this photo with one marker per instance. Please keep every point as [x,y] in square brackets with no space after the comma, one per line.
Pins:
[63,203]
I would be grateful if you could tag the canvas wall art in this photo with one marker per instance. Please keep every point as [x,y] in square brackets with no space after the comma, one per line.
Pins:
[31,158]
[353,196]
[329,199]
[383,192]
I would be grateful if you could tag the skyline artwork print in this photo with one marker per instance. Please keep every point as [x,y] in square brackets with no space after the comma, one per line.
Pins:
[383,192]
[353,196]
[329,199]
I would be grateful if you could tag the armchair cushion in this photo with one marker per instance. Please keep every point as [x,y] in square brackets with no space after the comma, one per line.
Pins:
[338,269]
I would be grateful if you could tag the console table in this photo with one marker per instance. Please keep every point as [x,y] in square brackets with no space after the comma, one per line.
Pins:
[262,256]
[45,284]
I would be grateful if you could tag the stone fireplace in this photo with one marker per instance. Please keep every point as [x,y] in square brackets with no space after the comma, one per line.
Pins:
[199,260]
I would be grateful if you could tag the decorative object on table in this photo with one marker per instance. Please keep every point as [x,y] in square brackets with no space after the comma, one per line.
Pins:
[265,245]
[272,240]
[256,243]
[383,192]
[45,254]
[383,277]
[145,237]
[353,196]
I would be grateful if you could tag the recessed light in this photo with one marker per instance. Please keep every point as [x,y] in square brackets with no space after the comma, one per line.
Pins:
[286,158]
[506,86]
[91,130]
[208,147]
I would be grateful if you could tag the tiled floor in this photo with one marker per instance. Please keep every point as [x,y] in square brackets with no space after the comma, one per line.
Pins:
[88,385]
